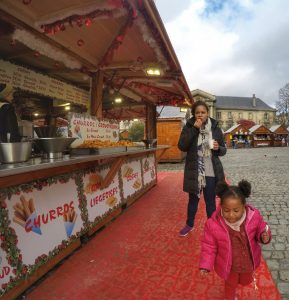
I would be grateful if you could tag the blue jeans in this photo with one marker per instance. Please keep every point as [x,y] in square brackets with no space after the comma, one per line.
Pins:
[210,199]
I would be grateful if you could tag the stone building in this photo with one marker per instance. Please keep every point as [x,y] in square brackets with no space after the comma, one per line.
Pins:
[229,110]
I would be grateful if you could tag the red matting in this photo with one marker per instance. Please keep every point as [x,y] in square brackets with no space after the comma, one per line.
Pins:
[140,256]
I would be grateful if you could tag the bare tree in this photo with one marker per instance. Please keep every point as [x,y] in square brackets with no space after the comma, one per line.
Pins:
[282,106]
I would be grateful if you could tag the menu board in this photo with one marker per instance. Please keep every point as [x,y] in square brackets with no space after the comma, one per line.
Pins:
[100,201]
[43,219]
[28,80]
[5,269]
[131,178]
[86,127]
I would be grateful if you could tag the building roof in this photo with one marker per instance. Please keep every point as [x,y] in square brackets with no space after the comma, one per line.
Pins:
[228,102]
[170,112]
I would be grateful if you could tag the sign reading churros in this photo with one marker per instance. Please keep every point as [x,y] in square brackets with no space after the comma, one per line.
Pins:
[100,201]
[44,218]
[131,177]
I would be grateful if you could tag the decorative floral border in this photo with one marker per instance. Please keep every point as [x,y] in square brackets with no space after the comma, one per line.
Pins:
[8,235]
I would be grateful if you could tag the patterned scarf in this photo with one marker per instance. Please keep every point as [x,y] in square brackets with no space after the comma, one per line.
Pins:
[203,151]
[235,226]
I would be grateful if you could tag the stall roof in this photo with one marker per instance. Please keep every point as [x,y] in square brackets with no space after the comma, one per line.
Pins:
[232,128]
[279,129]
[170,112]
[259,128]
[73,39]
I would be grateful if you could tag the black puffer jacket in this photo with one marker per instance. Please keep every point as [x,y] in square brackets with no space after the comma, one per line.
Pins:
[188,143]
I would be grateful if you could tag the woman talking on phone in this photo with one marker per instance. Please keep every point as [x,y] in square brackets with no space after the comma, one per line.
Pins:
[203,141]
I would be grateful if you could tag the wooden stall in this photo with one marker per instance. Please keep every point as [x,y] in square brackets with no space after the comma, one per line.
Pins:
[261,136]
[238,136]
[170,123]
[280,135]
[114,59]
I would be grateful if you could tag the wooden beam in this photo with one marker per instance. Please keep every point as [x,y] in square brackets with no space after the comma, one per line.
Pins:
[21,25]
[96,94]
[113,170]
[151,122]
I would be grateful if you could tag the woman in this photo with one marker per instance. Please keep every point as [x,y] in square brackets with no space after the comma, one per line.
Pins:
[8,118]
[203,141]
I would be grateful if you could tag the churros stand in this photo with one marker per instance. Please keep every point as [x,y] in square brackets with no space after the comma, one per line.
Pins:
[113,59]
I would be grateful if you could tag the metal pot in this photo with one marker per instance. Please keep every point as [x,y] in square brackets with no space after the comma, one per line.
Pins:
[15,152]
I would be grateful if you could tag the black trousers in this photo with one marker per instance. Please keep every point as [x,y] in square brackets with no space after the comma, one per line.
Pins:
[210,200]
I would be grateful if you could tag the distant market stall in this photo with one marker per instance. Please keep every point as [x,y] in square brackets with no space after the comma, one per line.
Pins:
[238,136]
[280,135]
[262,136]
[107,61]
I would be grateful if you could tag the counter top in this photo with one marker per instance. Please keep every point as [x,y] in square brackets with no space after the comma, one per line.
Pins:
[37,164]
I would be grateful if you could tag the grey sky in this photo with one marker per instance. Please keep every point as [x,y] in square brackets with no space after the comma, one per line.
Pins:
[231,48]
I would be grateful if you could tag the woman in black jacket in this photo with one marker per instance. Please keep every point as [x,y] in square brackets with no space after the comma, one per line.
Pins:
[203,141]
[8,118]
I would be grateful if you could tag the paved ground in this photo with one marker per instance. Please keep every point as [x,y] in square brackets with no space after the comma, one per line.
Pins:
[268,171]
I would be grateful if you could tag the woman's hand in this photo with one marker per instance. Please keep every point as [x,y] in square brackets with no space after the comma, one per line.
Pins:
[216,145]
[198,123]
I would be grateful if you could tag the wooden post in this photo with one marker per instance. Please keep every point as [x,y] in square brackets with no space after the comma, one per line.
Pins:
[96,94]
[151,121]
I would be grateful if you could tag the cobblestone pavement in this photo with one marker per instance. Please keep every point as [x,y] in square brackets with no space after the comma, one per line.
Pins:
[268,171]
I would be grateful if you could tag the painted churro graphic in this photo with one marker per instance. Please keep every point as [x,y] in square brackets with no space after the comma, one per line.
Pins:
[25,214]
[69,219]
[127,171]
[137,184]
[111,201]
[94,183]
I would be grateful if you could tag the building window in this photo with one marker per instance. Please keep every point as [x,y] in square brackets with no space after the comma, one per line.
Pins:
[240,115]
[250,116]
[266,116]
[219,115]
[229,115]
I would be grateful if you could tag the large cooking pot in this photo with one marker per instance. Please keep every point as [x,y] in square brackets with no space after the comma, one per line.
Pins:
[15,152]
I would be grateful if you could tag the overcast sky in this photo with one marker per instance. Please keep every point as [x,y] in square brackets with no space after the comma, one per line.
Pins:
[231,47]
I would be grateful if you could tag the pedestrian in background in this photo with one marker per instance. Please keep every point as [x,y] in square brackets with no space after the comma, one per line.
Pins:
[203,141]
[232,237]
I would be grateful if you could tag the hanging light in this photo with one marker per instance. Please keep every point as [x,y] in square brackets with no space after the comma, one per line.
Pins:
[153,71]
[118,99]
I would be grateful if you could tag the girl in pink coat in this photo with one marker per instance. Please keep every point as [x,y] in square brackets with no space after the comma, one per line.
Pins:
[232,237]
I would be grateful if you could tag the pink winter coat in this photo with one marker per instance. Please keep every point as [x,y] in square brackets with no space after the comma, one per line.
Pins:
[216,244]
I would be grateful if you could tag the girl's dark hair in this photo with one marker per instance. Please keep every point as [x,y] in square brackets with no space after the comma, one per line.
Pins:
[242,191]
[199,103]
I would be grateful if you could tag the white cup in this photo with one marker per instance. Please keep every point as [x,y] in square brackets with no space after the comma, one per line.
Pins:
[211,143]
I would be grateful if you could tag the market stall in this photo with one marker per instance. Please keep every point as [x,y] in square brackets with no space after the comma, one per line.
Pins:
[261,136]
[280,135]
[110,59]
[238,136]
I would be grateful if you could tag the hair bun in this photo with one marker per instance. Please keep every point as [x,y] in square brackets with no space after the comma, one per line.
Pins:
[245,188]
[221,188]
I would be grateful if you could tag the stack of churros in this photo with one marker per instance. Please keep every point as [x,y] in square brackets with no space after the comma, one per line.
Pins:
[70,216]
[111,201]
[137,184]
[23,211]
[127,171]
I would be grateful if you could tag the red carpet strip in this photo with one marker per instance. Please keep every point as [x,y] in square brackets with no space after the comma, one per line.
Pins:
[140,256]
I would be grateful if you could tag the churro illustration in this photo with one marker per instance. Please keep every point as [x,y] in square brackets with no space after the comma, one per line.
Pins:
[111,201]
[146,165]
[25,214]
[69,219]
[137,184]
[153,174]
[94,183]
[127,171]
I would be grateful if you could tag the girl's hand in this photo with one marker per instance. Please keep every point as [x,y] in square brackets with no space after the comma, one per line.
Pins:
[216,145]
[204,273]
[265,235]
[198,123]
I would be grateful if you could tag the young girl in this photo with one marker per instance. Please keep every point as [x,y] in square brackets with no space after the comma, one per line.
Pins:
[231,238]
